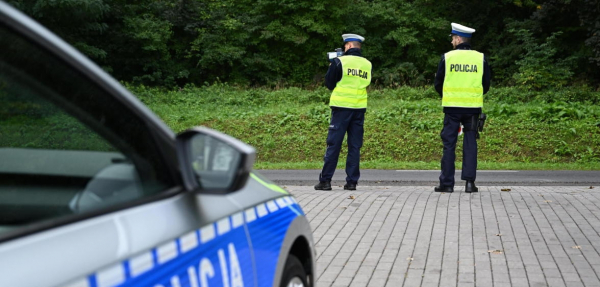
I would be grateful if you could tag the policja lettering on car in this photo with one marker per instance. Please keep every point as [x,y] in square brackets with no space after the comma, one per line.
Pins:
[231,272]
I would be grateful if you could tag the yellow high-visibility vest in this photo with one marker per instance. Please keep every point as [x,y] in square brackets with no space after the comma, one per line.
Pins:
[351,90]
[462,82]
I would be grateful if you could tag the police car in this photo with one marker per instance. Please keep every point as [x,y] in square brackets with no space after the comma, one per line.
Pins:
[96,191]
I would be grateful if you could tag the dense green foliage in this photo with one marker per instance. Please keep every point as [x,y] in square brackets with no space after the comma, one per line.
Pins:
[402,125]
[532,44]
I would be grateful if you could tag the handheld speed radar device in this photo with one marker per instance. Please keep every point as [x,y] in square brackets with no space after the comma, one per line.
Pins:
[332,55]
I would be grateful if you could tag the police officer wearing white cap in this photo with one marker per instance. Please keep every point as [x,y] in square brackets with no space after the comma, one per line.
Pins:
[462,78]
[348,77]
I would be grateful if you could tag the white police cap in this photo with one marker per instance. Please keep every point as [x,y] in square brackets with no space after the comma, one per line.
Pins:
[462,31]
[353,37]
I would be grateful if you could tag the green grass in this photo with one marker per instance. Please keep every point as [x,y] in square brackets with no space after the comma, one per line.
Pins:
[288,127]
[525,130]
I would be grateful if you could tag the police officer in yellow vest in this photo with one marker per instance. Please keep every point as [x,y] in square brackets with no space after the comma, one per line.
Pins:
[463,77]
[348,77]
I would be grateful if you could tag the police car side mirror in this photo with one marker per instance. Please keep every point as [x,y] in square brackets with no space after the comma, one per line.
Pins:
[213,162]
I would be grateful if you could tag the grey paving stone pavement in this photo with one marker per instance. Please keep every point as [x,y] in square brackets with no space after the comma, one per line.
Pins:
[412,236]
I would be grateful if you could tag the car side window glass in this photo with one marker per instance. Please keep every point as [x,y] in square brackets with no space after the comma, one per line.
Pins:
[66,146]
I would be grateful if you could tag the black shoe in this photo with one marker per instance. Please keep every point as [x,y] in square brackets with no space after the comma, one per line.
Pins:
[350,186]
[470,187]
[444,189]
[323,185]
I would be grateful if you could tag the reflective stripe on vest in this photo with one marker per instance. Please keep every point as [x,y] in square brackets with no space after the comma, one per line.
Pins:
[351,90]
[462,82]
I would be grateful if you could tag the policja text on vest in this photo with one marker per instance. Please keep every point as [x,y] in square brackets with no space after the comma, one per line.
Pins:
[360,73]
[463,68]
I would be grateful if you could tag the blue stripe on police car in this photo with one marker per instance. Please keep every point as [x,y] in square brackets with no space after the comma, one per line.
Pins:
[170,264]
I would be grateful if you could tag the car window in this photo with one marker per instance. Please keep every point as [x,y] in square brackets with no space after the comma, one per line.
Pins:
[66,146]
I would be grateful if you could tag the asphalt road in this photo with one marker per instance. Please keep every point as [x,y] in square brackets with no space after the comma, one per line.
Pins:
[371,177]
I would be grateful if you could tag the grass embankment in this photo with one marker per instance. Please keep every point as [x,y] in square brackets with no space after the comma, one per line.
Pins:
[288,127]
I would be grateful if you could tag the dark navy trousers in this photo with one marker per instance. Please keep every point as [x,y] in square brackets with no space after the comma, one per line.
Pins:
[344,121]
[449,137]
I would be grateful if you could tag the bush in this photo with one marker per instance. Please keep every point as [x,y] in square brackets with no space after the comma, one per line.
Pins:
[539,69]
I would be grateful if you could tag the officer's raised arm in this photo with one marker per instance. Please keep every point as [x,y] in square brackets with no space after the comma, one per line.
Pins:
[334,74]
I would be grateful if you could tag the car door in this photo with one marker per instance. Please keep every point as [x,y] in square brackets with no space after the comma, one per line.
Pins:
[91,190]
